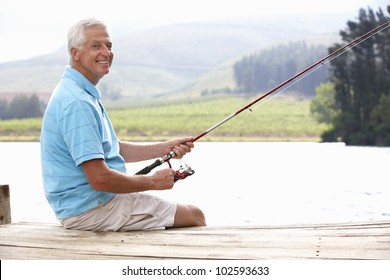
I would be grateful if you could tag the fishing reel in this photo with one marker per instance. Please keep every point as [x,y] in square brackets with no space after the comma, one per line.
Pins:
[183,172]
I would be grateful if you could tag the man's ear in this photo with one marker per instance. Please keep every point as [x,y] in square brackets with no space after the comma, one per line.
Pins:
[75,54]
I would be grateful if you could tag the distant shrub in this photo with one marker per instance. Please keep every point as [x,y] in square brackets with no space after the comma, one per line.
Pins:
[22,107]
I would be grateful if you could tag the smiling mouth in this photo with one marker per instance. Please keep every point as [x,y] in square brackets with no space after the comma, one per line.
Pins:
[103,61]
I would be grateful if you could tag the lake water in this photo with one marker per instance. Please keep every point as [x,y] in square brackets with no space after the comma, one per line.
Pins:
[240,184]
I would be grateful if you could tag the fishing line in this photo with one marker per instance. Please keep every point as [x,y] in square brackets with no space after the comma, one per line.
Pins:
[297,80]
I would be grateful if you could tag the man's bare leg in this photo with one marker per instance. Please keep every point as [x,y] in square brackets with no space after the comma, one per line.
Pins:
[188,215]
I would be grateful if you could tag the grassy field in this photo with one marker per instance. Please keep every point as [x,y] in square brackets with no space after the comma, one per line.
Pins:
[274,120]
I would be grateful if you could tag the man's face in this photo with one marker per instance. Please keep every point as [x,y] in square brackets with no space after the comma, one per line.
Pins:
[95,57]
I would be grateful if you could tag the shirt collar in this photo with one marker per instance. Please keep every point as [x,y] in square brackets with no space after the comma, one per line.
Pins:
[82,82]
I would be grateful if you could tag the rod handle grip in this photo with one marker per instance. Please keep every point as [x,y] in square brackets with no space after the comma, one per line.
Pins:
[149,168]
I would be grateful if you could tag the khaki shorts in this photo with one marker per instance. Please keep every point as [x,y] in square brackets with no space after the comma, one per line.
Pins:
[126,212]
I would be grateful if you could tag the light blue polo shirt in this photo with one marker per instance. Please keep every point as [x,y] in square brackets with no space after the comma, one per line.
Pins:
[75,129]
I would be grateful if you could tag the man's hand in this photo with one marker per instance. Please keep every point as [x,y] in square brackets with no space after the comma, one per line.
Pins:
[163,179]
[179,146]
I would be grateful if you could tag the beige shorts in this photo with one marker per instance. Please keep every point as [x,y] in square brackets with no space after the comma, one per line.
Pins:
[126,212]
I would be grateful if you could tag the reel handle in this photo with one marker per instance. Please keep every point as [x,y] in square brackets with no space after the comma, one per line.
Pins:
[183,173]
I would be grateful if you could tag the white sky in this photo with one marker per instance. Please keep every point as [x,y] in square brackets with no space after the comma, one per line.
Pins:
[33,27]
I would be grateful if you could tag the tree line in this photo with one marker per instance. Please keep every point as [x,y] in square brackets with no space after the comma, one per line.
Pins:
[268,68]
[356,99]
[21,106]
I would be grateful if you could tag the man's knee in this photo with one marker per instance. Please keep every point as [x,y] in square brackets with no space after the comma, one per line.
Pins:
[199,216]
[189,215]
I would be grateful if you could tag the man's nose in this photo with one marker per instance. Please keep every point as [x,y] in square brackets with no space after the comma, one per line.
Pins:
[106,51]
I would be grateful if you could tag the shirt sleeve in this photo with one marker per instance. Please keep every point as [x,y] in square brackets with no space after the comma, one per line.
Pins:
[81,127]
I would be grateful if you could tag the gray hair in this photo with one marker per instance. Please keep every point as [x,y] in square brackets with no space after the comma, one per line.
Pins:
[76,36]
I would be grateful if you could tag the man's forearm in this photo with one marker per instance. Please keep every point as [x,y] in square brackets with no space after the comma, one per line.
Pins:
[103,178]
[138,152]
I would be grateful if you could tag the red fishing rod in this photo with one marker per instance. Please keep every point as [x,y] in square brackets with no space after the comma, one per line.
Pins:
[186,170]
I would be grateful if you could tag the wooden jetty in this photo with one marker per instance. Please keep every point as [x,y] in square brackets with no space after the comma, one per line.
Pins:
[333,241]
[363,240]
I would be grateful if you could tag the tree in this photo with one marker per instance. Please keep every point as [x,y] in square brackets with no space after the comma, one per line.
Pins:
[361,78]
[381,121]
[22,106]
[323,106]
[264,70]
[3,109]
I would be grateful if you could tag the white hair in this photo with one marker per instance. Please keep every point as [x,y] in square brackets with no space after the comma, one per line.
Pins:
[76,34]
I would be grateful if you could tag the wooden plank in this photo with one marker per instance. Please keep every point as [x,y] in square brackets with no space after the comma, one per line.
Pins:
[5,206]
[333,241]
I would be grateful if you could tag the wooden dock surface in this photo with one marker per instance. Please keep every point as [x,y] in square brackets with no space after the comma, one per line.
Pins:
[370,240]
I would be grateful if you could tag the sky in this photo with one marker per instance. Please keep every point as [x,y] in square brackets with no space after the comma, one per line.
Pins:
[30,28]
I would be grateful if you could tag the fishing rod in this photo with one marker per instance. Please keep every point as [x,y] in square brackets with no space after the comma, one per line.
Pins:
[186,170]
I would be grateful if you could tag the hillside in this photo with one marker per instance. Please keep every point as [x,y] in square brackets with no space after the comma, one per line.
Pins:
[162,60]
